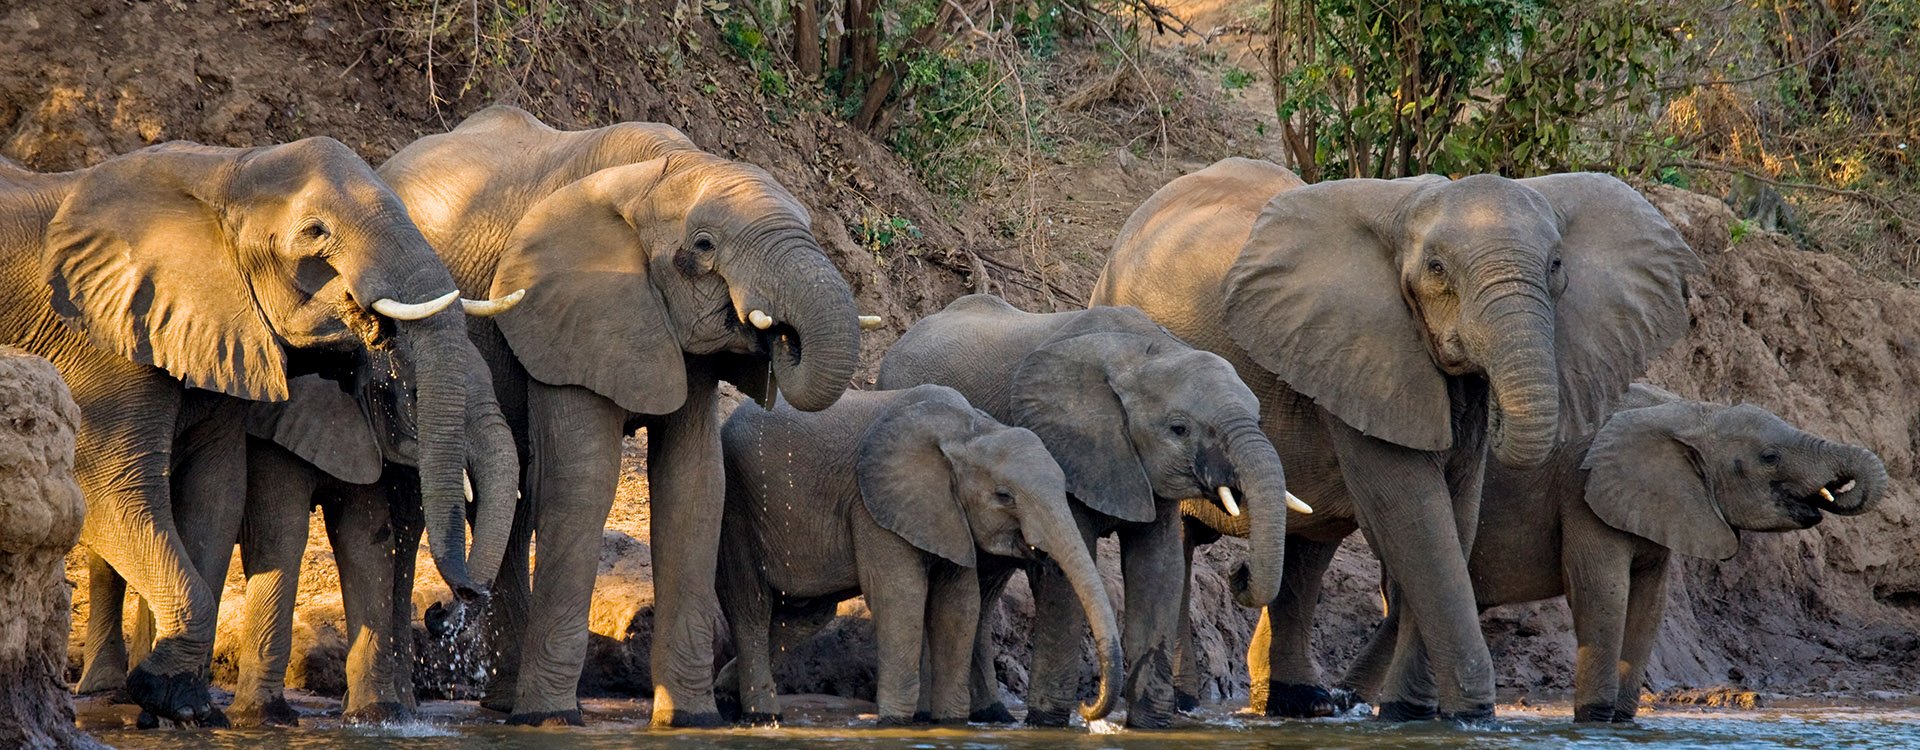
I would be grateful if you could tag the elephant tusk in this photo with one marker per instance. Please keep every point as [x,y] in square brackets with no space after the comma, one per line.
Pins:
[1226,499]
[871,322]
[760,320]
[1297,505]
[415,310]
[487,308]
[1825,495]
[466,484]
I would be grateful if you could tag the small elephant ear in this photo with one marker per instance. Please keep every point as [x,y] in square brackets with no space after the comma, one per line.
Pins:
[138,259]
[1626,293]
[592,316]
[906,479]
[1062,391]
[1645,477]
[1315,298]
[324,426]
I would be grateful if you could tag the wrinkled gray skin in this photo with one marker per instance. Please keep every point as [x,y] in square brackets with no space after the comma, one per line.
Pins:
[642,258]
[1599,520]
[894,495]
[1138,421]
[175,283]
[1397,332]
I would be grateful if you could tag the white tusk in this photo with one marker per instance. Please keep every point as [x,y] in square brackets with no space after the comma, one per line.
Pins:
[1846,488]
[871,322]
[487,308]
[466,484]
[416,310]
[760,320]
[1828,496]
[1226,499]
[1297,505]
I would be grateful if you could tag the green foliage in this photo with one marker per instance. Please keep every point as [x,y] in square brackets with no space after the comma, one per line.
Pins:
[880,233]
[747,41]
[1235,79]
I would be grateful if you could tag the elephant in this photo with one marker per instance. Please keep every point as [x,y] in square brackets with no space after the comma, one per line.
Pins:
[1139,421]
[653,270]
[894,495]
[1396,333]
[174,284]
[1600,519]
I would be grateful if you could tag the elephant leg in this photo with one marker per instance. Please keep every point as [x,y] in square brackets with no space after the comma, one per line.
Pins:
[748,607]
[405,516]
[1368,672]
[104,665]
[273,540]
[1646,605]
[953,620]
[575,445]
[209,488]
[1059,639]
[1186,663]
[362,537]
[506,617]
[1152,570]
[1282,678]
[896,586]
[688,481]
[1598,595]
[787,630]
[983,682]
[1402,498]
[1409,675]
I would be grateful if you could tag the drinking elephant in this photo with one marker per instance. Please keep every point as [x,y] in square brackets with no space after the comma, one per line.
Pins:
[172,284]
[653,270]
[888,495]
[1396,331]
[1139,421]
[1599,520]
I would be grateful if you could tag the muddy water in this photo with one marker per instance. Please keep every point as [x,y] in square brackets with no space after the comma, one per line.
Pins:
[1529,727]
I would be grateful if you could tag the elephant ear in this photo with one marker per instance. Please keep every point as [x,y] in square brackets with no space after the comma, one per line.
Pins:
[1063,392]
[592,316]
[906,479]
[1315,298]
[138,259]
[1626,294]
[1646,477]
[324,426]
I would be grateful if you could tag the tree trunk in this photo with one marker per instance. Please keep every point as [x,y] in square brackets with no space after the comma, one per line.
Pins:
[806,38]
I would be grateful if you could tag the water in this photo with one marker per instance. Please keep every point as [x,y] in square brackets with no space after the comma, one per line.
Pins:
[1518,727]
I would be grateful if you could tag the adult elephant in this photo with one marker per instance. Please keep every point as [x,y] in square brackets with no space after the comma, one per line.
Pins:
[1395,331]
[1139,421]
[170,284]
[653,271]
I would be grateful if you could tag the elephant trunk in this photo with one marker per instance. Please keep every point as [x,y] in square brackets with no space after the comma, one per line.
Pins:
[1858,479]
[817,335]
[1059,537]
[441,413]
[1523,372]
[1264,484]
[494,464]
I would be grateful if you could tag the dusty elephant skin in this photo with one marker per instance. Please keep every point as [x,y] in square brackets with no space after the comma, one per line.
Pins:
[897,496]
[653,270]
[40,516]
[172,285]
[1397,333]
[1139,421]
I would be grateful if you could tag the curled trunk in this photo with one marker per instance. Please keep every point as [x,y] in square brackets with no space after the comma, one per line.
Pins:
[1859,479]
[494,465]
[1523,372]
[817,345]
[1264,484]
[1061,541]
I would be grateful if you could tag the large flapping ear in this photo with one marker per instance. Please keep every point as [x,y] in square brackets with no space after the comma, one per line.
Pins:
[906,479]
[1062,392]
[324,426]
[1626,294]
[1646,477]
[138,258]
[1315,297]
[591,316]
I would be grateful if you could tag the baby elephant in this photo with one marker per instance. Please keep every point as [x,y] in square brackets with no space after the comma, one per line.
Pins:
[1598,520]
[890,494]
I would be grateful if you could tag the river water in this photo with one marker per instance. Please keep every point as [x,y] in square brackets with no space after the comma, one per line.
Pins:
[1827,728]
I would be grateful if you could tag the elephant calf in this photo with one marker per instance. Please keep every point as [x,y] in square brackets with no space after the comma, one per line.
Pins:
[888,494]
[1598,520]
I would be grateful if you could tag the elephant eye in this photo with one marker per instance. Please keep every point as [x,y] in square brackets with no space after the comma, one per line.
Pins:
[1554,267]
[703,242]
[1179,430]
[1435,267]
[1770,457]
[1003,497]
[314,231]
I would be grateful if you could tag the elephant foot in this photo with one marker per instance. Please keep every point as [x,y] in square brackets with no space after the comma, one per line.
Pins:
[1184,702]
[275,712]
[896,720]
[496,705]
[1038,716]
[1401,711]
[384,712]
[1625,714]
[1141,719]
[923,717]
[728,706]
[1478,715]
[1594,712]
[1297,701]
[547,719]
[175,697]
[755,719]
[97,680]
[994,714]
[692,720]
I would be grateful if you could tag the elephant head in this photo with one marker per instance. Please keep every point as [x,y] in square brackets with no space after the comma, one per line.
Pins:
[1688,475]
[1365,295]
[1133,414]
[684,254]
[237,269]
[949,479]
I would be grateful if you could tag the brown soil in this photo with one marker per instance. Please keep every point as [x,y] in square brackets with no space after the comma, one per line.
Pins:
[1833,609]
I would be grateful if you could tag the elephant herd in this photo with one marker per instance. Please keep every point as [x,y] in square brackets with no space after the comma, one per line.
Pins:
[458,342]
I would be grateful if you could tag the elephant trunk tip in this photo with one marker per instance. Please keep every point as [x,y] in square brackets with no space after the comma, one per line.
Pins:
[1103,702]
